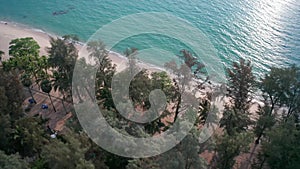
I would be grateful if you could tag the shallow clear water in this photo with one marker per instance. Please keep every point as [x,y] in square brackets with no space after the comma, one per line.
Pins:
[265,32]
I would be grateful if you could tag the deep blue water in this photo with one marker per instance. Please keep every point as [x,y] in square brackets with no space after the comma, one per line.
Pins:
[265,32]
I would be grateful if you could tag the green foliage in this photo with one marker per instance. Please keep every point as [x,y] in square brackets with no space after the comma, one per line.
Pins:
[139,91]
[86,82]
[204,110]
[62,55]
[230,146]
[96,155]
[38,164]
[115,161]
[62,58]
[281,87]
[98,53]
[72,38]
[104,75]
[103,159]
[40,69]
[241,83]
[26,80]
[282,148]
[234,121]
[140,88]
[161,80]
[181,83]
[5,131]
[46,86]
[192,69]
[25,58]
[13,161]
[23,47]
[184,156]
[11,94]
[68,153]
[265,121]
[28,136]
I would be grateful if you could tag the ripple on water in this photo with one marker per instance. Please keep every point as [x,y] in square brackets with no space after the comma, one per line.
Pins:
[266,32]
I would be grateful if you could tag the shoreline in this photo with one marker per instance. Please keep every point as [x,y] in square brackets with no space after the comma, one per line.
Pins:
[11,30]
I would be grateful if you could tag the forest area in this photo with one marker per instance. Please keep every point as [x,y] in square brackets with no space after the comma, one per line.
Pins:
[263,134]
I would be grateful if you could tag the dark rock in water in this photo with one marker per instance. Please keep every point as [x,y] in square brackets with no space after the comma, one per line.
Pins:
[61,12]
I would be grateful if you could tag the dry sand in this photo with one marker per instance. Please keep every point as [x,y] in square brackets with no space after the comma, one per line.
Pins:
[10,31]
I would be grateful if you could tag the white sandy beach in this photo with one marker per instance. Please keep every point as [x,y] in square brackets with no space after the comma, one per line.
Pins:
[10,31]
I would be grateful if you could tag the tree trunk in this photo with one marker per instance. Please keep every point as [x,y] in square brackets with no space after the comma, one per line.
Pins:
[52,103]
[36,80]
[177,108]
[31,95]
[251,155]
[213,161]
[260,135]
[262,163]
[63,103]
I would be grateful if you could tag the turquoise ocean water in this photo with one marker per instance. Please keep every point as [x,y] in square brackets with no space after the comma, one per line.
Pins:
[265,32]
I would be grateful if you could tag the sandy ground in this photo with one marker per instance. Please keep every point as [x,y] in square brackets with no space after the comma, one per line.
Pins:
[11,31]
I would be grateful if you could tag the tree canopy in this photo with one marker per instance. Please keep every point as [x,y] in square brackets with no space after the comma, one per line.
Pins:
[28,141]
